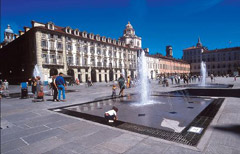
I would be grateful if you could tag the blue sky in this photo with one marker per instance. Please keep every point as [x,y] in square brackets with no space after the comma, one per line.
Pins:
[159,22]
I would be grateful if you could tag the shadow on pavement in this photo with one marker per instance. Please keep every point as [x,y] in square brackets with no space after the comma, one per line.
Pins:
[235,129]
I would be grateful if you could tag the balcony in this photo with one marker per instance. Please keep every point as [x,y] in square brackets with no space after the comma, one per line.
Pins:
[45,48]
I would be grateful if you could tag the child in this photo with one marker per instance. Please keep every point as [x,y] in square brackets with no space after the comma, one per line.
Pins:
[111,115]
[40,94]
[114,87]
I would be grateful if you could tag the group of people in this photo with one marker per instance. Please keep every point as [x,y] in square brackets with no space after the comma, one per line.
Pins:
[186,79]
[58,85]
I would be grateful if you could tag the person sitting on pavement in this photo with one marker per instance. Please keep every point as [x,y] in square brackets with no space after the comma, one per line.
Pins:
[111,115]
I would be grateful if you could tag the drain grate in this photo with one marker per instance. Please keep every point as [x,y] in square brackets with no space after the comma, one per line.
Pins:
[185,137]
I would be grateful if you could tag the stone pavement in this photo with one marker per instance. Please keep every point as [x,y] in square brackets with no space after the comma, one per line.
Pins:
[30,128]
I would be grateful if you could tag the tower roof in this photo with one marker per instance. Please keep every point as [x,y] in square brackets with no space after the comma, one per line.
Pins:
[199,44]
[129,25]
[8,29]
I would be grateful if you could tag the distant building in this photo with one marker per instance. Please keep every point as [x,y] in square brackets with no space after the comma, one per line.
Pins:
[9,36]
[159,65]
[218,61]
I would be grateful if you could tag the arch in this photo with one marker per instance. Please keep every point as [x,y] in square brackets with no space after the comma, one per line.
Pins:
[111,75]
[71,73]
[93,75]
[53,71]
[132,74]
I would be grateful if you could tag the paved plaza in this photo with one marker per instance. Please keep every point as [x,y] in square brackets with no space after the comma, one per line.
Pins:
[31,128]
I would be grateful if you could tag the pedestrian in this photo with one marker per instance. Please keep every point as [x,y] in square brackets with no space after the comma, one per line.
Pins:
[212,77]
[5,83]
[77,81]
[61,84]
[89,82]
[128,82]
[111,115]
[235,78]
[114,88]
[179,79]
[39,84]
[55,88]
[121,83]
[41,94]
[34,84]
[171,79]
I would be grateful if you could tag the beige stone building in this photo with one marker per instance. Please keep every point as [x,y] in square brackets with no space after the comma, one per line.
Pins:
[166,65]
[218,61]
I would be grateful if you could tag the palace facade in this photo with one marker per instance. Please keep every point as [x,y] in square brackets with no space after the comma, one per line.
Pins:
[82,55]
[77,53]
[218,61]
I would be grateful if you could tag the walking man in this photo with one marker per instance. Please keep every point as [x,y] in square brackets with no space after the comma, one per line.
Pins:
[61,84]
[121,83]
[55,88]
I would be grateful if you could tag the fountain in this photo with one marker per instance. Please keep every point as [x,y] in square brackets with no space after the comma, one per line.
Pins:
[36,72]
[203,73]
[123,72]
[144,88]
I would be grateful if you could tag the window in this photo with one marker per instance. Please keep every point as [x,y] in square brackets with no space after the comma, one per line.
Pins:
[85,49]
[44,44]
[105,63]
[51,45]
[70,60]
[92,61]
[44,55]
[68,39]
[50,26]
[78,48]
[77,61]
[85,61]
[69,47]
[110,53]
[53,59]
[92,50]
[51,36]
[99,51]
[59,45]
[104,52]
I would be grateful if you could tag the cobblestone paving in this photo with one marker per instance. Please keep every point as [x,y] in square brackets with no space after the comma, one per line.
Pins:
[30,128]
